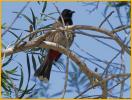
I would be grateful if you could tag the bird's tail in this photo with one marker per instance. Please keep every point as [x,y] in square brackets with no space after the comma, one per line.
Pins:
[43,72]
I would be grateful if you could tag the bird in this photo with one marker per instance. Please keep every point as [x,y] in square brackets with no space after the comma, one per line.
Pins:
[62,38]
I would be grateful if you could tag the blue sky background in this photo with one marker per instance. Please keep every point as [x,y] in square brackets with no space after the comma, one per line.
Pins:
[81,17]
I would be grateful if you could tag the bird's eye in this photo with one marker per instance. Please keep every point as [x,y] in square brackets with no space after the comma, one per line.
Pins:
[69,12]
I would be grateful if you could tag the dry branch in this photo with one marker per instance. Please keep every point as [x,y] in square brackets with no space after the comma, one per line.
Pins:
[39,42]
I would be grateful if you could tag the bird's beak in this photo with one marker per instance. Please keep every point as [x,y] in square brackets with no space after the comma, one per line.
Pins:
[72,12]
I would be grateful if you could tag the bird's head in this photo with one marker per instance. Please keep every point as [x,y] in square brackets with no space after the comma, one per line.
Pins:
[66,13]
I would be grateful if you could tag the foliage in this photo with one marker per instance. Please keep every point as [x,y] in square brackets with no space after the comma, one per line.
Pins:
[13,80]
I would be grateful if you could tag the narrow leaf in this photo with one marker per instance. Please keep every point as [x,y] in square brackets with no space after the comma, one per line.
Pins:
[8,61]
[44,7]
[12,71]
[21,80]
[34,62]
[33,19]
[26,17]
[29,72]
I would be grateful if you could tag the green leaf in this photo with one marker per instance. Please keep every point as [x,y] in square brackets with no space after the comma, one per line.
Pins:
[16,74]
[56,94]
[31,88]
[44,7]
[40,59]
[8,83]
[4,26]
[8,61]
[75,69]
[34,19]
[3,45]
[83,80]
[21,80]
[26,17]
[15,79]
[13,34]
[4,86]
[16,29]
[19,37]
[34,62]
[129,13]
[28,65]
[59,93]
[29,72]
[12,71]
[47,26]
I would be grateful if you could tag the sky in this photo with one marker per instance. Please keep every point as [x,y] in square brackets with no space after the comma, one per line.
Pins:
[81,17]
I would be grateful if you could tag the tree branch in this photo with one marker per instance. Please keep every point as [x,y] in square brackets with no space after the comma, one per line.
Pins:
[79,27]
[39,42]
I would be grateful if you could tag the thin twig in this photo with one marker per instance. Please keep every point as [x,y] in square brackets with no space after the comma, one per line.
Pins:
[123,68]
[108,65]
[93,9]
[63,23]
[98,83]
[120,29]
[91,35]
[49,16]
[66,77]
[106,19]
[119,82]
[6,30]
[119,17]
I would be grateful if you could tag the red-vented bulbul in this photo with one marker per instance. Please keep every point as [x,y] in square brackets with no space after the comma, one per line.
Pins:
[63,38]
